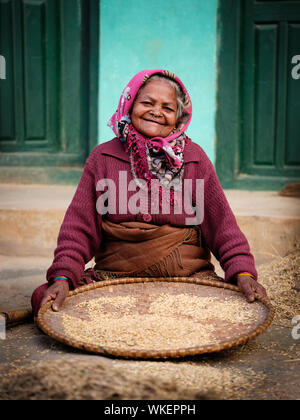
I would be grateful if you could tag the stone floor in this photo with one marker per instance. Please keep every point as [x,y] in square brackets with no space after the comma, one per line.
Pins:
[266,368]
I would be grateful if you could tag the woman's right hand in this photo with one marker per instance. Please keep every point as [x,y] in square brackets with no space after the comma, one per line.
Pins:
[58,291]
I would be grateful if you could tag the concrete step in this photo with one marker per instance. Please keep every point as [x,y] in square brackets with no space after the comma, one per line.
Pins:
[30,218]
[19,276]
[31,215]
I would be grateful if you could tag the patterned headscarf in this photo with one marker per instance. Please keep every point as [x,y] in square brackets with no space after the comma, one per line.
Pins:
[158,157]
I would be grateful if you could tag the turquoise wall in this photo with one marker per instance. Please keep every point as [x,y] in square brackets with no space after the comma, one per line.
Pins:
[178,35]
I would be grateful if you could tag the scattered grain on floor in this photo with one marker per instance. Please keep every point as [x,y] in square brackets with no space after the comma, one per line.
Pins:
[121,380]
[281,279]
[78,380]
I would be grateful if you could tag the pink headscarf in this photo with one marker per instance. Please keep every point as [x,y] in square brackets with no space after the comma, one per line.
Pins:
[128,97]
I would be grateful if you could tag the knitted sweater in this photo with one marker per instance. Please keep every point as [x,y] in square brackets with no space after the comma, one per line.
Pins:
[80,234]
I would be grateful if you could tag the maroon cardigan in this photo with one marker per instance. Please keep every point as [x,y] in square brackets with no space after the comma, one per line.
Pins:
[80,234]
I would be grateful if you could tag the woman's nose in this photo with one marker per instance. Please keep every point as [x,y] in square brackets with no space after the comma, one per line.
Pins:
[156,111]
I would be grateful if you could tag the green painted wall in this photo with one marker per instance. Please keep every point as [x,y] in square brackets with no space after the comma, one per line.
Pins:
[179,35]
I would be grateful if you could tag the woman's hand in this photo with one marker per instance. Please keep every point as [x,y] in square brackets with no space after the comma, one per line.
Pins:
[58,291]
[248,285]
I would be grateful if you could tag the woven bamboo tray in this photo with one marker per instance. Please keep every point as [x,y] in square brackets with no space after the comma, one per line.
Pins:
[169,317]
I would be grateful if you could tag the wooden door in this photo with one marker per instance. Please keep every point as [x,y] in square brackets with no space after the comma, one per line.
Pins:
[48,100]
[259,108]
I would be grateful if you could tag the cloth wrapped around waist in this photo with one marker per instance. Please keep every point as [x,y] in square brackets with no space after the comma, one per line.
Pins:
[135,249]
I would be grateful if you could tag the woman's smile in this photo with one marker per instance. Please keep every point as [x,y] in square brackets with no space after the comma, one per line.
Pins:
[152,121]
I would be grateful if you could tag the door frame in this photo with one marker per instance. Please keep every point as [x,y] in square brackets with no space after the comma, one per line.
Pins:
[228,115]
[59,167]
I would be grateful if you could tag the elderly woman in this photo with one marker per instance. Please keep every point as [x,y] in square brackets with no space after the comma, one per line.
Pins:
[130,227]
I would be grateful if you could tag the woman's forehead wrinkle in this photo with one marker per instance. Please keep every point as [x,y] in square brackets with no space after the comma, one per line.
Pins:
[151,98]
[154,98]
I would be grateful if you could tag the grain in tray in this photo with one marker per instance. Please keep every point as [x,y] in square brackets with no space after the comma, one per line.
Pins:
[172,321]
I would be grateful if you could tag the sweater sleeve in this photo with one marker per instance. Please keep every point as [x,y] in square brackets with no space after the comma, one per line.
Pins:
[80,233]
[221,231]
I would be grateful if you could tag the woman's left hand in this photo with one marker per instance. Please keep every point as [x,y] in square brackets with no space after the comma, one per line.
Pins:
[248,285]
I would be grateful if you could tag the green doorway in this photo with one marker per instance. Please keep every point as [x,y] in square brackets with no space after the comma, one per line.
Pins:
[258,125]
[49,98]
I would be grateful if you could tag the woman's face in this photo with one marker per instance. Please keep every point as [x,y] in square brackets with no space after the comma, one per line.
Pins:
[154,109]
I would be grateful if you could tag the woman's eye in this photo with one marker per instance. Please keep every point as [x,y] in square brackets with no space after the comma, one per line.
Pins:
[146,103]
[169,109]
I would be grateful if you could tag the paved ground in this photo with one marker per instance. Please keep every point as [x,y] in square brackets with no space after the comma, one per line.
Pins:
[267,368]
